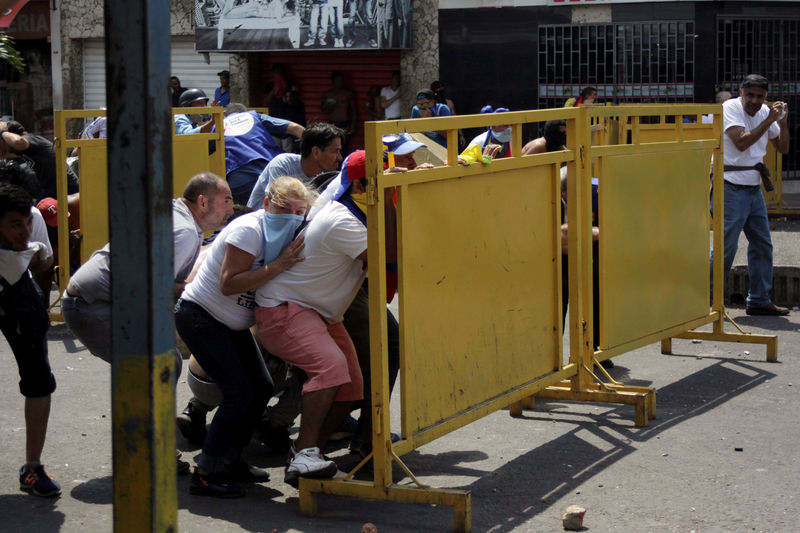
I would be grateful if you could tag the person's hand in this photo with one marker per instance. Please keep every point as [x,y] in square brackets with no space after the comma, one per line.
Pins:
[775,111]
[396,169]
[492,150]
[423,166]
[290,255]
[782,110]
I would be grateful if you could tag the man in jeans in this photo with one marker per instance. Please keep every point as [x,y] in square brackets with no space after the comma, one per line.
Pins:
[748,123]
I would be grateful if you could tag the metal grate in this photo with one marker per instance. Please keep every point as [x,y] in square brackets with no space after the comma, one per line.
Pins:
[627,62]
[768,47]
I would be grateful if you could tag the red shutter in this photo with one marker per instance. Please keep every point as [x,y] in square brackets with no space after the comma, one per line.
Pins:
[311,72]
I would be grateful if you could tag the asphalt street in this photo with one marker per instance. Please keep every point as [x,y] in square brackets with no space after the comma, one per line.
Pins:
[682,473]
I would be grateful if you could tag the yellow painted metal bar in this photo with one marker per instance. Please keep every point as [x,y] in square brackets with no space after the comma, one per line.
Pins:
[771,341]
[376,231]
[654,147]
[602,355]
[140,450]
[62,271]
[459,171]
[461,501]
[423,436]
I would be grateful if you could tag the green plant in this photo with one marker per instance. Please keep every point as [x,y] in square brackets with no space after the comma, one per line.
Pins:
[8,53]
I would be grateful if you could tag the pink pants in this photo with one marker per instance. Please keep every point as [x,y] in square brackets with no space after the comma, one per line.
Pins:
[301,337]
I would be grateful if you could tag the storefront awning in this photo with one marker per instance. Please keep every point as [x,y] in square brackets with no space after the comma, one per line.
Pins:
[9,10]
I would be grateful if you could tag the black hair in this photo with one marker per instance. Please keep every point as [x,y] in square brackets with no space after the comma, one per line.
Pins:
[14,199]
[336,74]
[553,136]
[20,174]
[755,80]
[15,127]
[319,135]
[588,91]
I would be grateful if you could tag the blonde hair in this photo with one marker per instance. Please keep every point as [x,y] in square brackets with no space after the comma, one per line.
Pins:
[285,189]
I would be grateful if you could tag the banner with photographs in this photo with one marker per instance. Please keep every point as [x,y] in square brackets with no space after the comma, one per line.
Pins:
[264,25]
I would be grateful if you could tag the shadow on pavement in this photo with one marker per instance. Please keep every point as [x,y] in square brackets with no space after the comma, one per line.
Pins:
[25,512]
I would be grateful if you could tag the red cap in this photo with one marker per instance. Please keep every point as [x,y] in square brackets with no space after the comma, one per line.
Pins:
[356,165]
[48,207]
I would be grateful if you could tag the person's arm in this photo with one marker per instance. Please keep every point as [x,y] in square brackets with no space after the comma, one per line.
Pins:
[295,130]
[386,102]
[745,139]
[206,127]
[16,143]
[235,276]
[536,146]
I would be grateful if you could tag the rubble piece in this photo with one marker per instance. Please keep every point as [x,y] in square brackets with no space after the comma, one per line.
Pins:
[572,519]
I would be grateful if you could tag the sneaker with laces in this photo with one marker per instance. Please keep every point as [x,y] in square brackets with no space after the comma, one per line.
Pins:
[192,424]
[36,480]
[218,485]
[242,472]
[309,462]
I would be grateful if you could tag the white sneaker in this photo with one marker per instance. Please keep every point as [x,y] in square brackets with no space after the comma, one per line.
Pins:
[308,462]
[338,43]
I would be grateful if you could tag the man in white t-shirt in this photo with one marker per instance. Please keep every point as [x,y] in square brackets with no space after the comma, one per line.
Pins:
[299,318]
[390,98]
[748,123]
[24,246]
[320,151]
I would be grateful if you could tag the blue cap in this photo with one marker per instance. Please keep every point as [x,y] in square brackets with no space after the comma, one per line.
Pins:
[401,144]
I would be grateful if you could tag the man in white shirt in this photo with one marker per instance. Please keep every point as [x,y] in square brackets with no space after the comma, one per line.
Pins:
[23,320]
[748,123]
[390,98]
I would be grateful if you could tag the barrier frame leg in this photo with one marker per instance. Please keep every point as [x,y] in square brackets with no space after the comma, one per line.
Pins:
[719,334]
[459,500]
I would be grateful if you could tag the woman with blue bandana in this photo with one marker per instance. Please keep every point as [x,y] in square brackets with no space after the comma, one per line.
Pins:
[213,316]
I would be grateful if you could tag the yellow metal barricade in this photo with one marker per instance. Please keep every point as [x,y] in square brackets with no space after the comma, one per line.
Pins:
[479,260]
[190,156]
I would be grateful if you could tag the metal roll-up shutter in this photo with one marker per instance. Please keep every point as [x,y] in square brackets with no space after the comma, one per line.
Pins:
[311,72]
[187,64]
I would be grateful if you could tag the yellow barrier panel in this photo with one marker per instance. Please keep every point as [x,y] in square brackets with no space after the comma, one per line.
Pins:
[480,277]
[654,245]
[190,156]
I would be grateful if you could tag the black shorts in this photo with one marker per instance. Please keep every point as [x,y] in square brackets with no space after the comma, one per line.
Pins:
[24,322]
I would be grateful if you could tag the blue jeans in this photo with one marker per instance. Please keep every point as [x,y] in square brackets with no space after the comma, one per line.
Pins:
[745,210]
[232,360]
